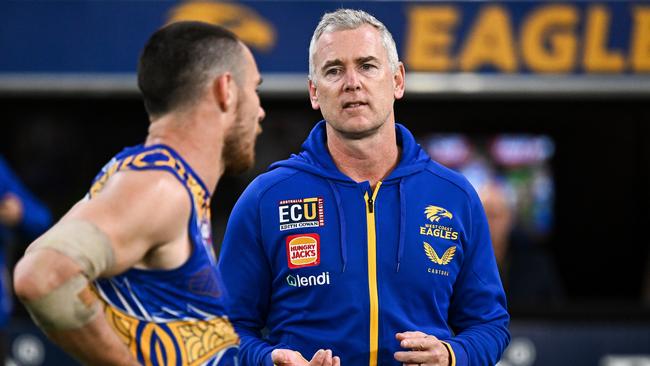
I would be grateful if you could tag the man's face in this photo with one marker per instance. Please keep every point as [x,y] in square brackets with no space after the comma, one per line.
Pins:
[354,86]
[239,146]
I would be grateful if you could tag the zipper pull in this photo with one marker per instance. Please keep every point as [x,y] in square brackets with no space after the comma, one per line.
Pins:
[371,204]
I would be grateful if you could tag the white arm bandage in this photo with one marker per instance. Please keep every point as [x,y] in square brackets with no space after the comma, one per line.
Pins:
[72,304]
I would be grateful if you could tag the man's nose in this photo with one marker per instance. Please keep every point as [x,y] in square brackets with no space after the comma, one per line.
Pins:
[262,114]
[352,81]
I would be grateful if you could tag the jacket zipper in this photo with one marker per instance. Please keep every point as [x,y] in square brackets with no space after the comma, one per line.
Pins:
[372,274]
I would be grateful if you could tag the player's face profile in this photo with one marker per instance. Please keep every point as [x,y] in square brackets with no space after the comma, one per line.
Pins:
[239,149]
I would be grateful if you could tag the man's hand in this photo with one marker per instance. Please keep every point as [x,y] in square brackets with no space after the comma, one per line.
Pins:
[287,357]
[11,210]
[424,350]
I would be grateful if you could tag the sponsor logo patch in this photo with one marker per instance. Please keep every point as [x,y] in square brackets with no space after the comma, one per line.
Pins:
[306,281]
[302,212]
[447,256]
[303,250]
[443,260]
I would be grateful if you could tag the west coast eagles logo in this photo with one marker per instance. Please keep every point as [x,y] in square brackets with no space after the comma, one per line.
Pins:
[435,229]
[447,256]
[435,213]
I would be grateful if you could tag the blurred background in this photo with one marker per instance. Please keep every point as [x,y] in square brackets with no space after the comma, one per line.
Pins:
[544,106]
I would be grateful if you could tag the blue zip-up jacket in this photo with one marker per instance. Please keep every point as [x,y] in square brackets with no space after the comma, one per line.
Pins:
[321,261]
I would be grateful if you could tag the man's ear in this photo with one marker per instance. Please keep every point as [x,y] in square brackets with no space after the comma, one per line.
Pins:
[399,81]
[313,95]
[224,90]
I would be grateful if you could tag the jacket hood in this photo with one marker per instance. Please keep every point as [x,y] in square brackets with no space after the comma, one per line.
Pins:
[316,159]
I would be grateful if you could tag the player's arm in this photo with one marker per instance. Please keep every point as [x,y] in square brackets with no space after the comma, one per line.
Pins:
[136,214]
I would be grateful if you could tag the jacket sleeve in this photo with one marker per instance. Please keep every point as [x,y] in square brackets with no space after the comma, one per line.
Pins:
[36,216]
[478,314]
[247,277]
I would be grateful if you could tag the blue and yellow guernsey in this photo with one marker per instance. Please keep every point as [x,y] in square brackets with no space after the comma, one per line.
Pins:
[170,317]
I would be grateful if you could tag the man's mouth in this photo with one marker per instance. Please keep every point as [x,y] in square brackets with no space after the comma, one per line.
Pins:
[351,105]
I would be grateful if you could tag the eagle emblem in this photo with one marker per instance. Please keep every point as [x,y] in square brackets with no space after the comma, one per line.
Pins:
[433,256]
[245,22]
[434,213]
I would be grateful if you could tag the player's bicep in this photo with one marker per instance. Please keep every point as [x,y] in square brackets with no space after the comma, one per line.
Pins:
[137,211]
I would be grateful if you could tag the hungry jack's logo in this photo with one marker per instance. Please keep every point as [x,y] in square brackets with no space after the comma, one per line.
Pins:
[302,212]
[303,250]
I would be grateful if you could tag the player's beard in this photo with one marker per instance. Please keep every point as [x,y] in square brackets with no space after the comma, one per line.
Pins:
[239,146]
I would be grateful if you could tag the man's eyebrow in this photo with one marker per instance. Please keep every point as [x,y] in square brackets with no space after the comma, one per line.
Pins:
[335,62]
[358,61]
[363,60]
[260,81]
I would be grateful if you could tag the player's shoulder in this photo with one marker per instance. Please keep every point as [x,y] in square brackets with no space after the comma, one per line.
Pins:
[154,196]
[139,187]
[149,207]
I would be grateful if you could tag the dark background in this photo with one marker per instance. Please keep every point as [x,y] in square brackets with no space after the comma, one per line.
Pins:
[601,167]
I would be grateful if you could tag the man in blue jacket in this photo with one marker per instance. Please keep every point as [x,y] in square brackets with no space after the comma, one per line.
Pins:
[361,243]
[23,214]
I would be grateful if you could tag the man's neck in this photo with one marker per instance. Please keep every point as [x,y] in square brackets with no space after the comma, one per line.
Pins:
[199,143]
[369,159]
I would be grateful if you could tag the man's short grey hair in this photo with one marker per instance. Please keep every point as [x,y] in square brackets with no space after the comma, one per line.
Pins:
[345,19]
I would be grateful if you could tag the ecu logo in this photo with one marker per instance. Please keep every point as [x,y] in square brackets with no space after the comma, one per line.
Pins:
[300,213]
[435,213]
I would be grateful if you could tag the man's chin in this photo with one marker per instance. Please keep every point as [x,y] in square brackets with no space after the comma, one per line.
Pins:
[357,128]
[238,167]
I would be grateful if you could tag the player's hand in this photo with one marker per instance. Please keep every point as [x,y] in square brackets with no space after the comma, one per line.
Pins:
[423,350]
[287,357]
[11,210]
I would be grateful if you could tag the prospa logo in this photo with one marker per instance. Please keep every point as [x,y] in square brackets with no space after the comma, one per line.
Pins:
[306,281]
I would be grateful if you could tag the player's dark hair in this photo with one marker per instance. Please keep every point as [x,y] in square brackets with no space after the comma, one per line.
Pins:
[180,58]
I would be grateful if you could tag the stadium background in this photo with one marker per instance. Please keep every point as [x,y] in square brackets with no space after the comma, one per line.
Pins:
[576,73]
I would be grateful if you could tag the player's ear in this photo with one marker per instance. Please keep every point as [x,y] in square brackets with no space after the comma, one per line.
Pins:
[313,94]
[224,90]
